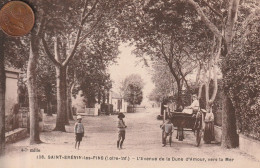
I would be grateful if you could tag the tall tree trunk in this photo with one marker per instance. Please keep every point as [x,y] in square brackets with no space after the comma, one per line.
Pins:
[68,108]
[230,138]
[62,119]
[2,95]
[108,95]
[104,97]
[69,103]
[63,90]
[179,86]
[48,94]
[32,90]
[2,92]
[99,96]
[68,94]
[179,94]
[61,83]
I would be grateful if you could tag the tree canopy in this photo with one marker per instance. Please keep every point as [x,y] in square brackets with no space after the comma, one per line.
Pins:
[242,80]
[132,87]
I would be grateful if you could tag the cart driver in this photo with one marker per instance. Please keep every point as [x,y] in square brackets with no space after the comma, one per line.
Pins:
[194,107]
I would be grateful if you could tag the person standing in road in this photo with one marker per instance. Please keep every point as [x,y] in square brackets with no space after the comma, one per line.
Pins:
[167,128]
[121,130]
[209,127]
[79,131]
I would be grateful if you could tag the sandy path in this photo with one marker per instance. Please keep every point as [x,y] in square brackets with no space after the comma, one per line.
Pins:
[142,147]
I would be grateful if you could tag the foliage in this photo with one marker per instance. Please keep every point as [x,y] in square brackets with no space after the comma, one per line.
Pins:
[242,68]
[132,88]
[93,87]
[91,62]
[168,32]
[16,51]
[46,82]
[70,27]
[163,81]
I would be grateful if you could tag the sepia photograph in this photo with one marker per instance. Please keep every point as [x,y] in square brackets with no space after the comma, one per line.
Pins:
[129,83]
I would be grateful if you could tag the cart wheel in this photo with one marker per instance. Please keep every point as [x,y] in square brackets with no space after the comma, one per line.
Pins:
[198,137]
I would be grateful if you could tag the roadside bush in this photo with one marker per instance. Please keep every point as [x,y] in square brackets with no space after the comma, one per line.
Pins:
[242,75]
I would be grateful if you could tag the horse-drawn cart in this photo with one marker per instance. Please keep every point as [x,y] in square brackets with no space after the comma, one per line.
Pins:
[187,122]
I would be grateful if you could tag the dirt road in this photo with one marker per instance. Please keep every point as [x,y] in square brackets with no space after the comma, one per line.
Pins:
[142,147]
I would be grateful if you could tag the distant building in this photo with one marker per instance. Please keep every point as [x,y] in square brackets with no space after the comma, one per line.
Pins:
[119,103]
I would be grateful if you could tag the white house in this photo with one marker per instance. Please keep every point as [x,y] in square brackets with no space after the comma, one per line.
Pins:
[119,104]
[80,105]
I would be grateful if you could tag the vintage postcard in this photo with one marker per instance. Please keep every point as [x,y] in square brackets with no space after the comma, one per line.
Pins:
[129,83]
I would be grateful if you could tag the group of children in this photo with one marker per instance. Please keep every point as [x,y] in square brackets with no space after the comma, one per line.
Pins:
[167,128]
[79,131]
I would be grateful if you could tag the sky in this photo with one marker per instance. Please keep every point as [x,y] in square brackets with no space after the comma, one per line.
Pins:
[127,64]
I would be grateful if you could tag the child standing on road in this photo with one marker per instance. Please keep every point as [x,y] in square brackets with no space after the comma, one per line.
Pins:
[121,130]
[79,131]
[167,128]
